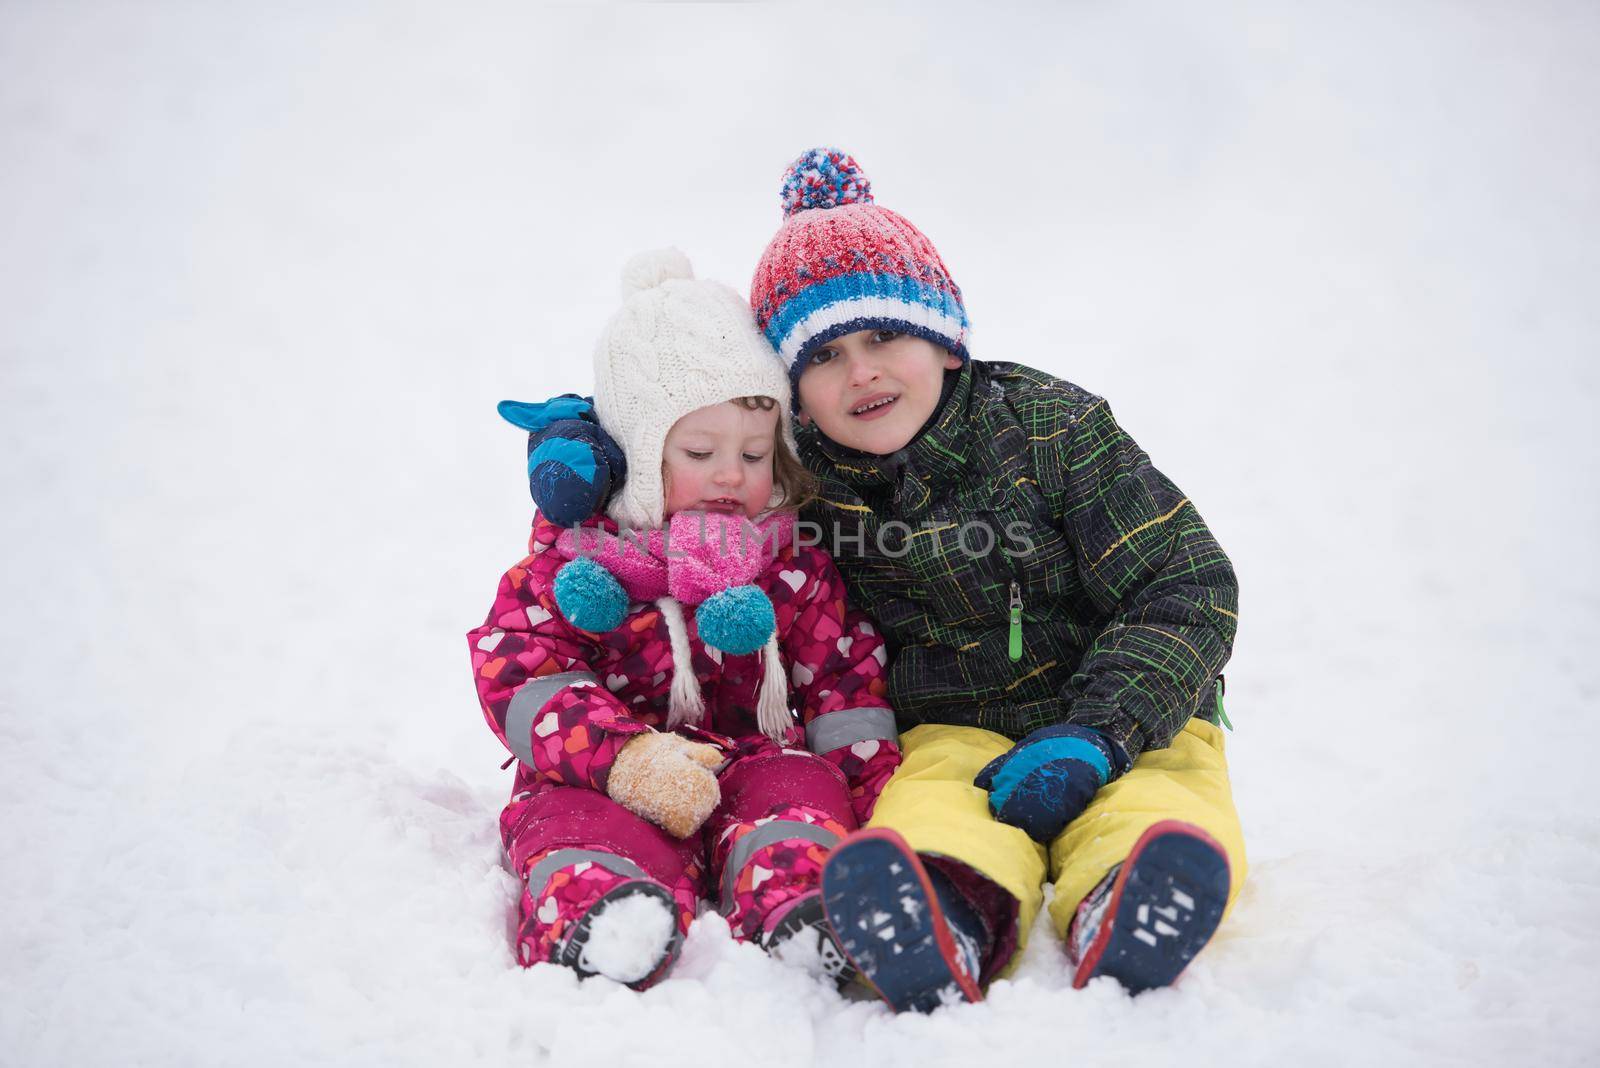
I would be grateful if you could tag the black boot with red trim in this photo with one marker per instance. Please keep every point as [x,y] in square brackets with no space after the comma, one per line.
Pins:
[1153,912]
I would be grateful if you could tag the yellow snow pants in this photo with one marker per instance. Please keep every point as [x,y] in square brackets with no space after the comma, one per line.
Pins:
[932,803]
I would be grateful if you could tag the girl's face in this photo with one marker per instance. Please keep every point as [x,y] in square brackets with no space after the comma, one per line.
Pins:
[719,459]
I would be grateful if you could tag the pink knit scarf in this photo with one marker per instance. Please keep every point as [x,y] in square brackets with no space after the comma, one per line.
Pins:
[696,555]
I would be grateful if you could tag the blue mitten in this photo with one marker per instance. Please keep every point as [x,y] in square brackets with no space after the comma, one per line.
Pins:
[1043,782]
[573,464]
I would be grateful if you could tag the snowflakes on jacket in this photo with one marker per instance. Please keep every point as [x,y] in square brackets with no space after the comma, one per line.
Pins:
[565,701]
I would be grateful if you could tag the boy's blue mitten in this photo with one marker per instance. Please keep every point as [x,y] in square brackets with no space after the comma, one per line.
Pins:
[1043,782]
[573,464]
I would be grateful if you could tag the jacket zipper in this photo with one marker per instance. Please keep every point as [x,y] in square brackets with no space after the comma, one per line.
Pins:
[1016,621]
[1014,645]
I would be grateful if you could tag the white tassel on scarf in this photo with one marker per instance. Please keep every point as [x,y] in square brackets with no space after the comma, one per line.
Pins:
[687,706]
[772,708]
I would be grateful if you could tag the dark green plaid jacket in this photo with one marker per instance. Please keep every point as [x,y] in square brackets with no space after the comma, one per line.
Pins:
[1128,602]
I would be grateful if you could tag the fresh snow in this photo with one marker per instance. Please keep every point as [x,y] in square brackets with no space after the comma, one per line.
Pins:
[266,269]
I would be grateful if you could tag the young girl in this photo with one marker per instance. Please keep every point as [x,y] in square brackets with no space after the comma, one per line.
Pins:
[642,668]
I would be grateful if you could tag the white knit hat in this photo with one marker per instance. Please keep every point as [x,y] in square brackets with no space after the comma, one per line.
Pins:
[678,344]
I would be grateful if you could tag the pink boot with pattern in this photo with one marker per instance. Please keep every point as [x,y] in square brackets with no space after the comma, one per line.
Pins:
[598,918]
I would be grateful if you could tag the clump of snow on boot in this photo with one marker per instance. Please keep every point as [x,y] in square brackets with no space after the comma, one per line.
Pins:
[628,938]
[812,952]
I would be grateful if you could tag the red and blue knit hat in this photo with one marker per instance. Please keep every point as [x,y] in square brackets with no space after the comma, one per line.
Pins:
[840,263]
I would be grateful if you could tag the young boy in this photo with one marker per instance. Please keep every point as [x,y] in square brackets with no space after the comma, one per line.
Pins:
[1057,615]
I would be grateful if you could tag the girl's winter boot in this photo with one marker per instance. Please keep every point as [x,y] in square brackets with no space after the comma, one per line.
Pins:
[799,934]
[1153,912]
[630,935]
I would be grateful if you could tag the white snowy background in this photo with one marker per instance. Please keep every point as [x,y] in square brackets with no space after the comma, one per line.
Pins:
[265,270]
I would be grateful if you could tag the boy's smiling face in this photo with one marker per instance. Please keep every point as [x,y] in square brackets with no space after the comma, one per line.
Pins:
[874,389]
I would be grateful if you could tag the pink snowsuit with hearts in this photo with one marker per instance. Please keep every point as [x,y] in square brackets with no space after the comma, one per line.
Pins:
[564,702]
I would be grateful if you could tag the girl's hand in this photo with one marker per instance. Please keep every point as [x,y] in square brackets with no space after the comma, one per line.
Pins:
[667,780]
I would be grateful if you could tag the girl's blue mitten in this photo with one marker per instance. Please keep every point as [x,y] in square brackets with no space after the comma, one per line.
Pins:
[1043,782]
[573,464]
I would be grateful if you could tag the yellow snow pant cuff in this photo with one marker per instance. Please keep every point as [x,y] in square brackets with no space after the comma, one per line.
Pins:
[1187,781]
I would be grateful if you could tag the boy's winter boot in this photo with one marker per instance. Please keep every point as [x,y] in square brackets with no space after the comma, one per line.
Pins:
[630,935]
[1153,912]
[907,930]
[798,933]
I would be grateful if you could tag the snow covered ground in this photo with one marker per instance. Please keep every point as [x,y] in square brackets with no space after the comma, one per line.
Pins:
[265,269]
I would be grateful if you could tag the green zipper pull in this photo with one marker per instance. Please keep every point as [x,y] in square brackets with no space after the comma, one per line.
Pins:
[1016,621]
[1222,716]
